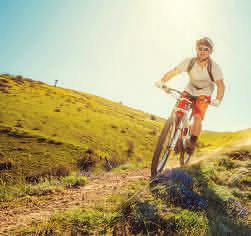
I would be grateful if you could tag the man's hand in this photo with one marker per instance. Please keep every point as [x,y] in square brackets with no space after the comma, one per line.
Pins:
[215,102]
[159,84]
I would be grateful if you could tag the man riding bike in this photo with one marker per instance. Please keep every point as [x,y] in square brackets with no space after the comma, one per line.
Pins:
[203,73]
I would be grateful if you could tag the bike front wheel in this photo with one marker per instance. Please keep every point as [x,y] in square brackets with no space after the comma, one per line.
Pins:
[163,147]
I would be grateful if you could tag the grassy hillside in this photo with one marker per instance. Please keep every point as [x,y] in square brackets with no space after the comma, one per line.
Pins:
[211,197]
[47,130]
[50,137]
[43,125]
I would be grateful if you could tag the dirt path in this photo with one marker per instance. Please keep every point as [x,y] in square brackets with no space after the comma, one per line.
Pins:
[25,210]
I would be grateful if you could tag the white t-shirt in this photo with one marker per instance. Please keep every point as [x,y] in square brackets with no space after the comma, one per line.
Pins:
[199,77]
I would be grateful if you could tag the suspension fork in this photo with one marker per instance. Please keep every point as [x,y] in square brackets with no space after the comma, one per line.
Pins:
[187,130]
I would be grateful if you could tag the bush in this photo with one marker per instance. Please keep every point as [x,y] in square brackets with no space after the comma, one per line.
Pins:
[89,151]
[176,187]
[241,155]
[41,189]
[57,171]
[236,210]
[84,221]
[153,117]
[60,170]
[19,125]
[142,218]
[153,132]
[74,181]
[5,165]
[131,148]
[191,223]
[227,163]
[115,161]
[86,162]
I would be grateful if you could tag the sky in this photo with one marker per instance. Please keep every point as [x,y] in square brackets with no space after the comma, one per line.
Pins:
[117,49]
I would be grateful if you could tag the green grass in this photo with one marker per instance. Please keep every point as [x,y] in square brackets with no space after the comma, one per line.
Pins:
[138,211]
[33,135]
[46,134]
[41,125]
[44,187]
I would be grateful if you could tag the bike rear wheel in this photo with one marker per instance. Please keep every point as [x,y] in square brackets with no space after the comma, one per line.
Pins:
[163,149]
[184,156]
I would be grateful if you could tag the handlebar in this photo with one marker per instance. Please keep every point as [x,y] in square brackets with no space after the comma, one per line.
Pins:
[176,93]
[170,90]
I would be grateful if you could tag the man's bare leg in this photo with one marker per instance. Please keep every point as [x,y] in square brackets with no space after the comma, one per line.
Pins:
[194,133]
[196,126]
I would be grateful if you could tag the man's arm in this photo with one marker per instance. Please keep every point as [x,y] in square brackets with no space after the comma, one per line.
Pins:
[220,89]
[169,75]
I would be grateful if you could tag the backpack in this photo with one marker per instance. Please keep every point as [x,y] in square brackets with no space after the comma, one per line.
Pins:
[209,69]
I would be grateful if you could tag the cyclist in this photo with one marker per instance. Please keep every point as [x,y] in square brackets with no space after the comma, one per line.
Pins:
[203,73]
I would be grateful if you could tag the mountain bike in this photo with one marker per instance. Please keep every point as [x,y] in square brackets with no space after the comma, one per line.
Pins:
[176,130]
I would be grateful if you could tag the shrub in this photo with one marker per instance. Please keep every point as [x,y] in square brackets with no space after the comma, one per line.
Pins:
[86,162]
[153,132]
[84,221]
[5,165]
[41,139]
[191,223]
[57,110]
[60,170]
[153,117]
[107,164]
[57,171]
[89,151]
[41,189]
[18,125]
[142,218]
[19,79]
[36,128]
[115,161]
[74,181]
[241,155]
[227,163]
[54,142]
[114,126]
[176,187]
[236,210]
[131,148]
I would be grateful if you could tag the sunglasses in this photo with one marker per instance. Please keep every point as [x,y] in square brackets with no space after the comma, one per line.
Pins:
[203,49]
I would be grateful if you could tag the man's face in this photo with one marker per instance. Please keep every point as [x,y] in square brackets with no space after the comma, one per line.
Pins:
[203,52]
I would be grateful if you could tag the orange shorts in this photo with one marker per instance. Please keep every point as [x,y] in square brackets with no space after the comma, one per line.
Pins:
[199,104]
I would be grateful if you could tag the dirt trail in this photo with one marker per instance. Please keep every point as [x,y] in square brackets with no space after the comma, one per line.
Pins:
[25,210]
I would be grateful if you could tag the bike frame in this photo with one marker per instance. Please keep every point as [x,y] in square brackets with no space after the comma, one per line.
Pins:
[183,122]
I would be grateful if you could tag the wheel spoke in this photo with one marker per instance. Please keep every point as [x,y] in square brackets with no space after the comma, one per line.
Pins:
[163,148]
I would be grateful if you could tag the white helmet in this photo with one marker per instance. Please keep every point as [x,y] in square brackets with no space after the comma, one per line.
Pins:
[206,41]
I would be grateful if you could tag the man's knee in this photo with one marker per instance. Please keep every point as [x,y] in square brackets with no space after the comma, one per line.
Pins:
[197,118]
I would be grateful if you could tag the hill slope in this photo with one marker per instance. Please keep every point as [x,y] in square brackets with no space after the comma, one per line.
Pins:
[43,126]
[48,133]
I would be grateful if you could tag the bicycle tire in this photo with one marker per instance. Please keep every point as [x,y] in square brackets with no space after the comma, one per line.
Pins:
[168,127]
[184,156]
